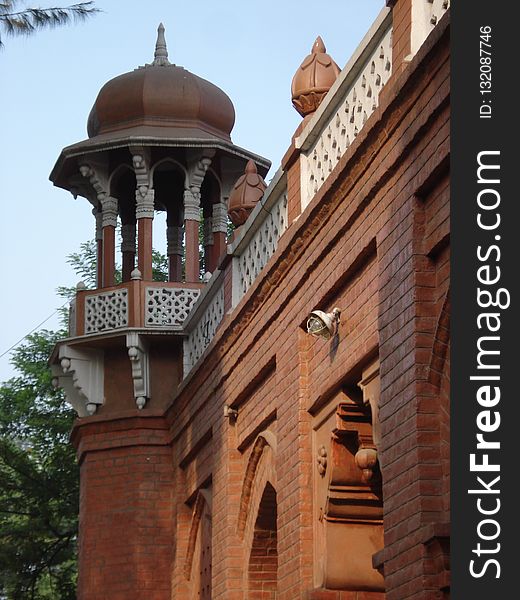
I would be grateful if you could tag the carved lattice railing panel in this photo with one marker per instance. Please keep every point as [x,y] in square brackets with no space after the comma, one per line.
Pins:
[352,109]
[168,307]
[263,244]
[106,310]
[203,333]
[425,16]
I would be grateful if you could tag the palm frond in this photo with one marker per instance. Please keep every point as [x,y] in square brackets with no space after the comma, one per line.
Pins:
[30,20]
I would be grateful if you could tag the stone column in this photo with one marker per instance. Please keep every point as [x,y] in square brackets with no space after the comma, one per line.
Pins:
[219,228]
[196,174]
[144,211]
[109,222]
[209,262]
[128,250]
[105,212]
[191,228]
[99,246]
[174,251]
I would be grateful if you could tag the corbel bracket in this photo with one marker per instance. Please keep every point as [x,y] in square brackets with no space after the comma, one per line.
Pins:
[80,374]
[139,359]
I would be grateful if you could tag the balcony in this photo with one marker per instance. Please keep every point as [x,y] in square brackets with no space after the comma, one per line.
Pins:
[133,304]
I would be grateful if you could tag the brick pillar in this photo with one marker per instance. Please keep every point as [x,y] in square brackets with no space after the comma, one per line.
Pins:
[291,165]
[126,508]
[402,32]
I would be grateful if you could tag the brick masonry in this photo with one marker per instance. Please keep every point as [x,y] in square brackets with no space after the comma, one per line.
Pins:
[170,496]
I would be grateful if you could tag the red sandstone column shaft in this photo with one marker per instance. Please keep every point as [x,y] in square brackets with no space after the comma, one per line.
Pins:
[209,257]
[109,207]
[192,251]
[128,250]
[219,226]
[109,255]
[191,229]
[99,263]
[144,256]
[174,251]
[99,246]
[144,211]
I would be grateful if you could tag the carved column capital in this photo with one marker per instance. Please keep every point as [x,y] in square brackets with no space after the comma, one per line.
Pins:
[144,193]
[109,211]
[219,218]
[191,205]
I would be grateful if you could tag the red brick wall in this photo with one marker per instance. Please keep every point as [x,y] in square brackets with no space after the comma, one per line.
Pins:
[126,501]
[375,242]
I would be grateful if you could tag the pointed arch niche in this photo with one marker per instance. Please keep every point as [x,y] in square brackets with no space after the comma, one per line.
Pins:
[197,564]
[169,181]
[257,519]
[122,186]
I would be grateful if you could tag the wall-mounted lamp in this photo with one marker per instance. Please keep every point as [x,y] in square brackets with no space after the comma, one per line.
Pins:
[230,413]
[322,324]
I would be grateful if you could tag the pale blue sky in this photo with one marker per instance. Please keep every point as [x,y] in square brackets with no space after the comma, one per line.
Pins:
[48,83]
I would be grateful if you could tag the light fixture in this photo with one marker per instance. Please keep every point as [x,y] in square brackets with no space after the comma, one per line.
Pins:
[322,324]
[230,413]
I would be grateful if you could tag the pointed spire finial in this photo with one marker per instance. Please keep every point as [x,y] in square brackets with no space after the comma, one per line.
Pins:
[161,51]
[318,46]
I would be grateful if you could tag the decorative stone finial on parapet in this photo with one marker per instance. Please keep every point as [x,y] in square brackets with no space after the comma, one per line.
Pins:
[161,51]
[136,275]
[313,79]
[247,191]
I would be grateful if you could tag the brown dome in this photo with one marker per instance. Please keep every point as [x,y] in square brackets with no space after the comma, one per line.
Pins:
[164,95]
[313,79]
[247,191]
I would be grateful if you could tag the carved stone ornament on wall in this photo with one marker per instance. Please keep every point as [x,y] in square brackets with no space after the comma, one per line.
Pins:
[322,460]
[350,496]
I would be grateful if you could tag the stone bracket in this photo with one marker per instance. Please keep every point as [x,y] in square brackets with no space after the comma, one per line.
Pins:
[80,373]
[139,359]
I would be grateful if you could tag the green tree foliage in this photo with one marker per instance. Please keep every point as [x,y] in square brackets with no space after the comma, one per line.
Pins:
[39,479]
[18,19]
[39,484]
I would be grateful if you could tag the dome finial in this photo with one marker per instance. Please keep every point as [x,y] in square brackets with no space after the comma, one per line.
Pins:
[313,79]
[161,51]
